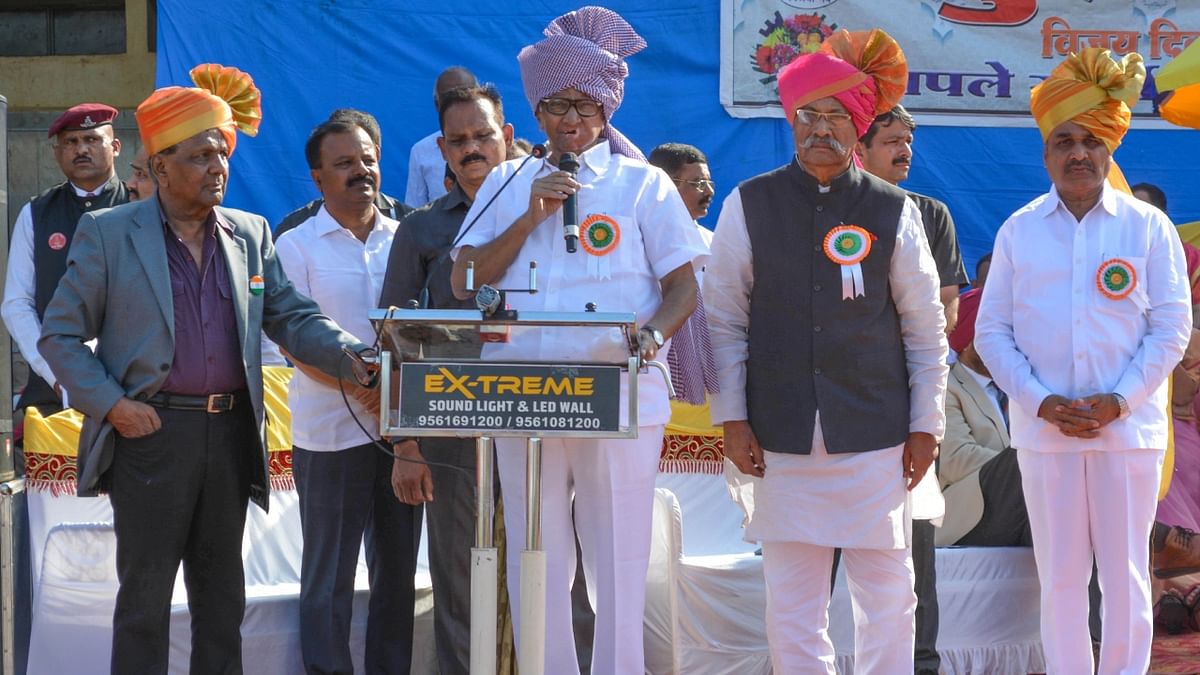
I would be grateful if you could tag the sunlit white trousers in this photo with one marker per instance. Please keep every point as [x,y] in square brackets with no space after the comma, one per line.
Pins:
[881,593]
[1098,503]
[612,484]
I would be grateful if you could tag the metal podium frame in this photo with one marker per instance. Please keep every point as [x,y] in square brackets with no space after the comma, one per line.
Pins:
[408,331]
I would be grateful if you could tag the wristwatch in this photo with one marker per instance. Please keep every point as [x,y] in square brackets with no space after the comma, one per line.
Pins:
[656,335]
[1123,405]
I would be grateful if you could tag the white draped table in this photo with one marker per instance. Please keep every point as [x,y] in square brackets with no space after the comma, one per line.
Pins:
[706,599]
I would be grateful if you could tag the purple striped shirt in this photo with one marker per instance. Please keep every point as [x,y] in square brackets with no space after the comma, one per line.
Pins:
[208,353]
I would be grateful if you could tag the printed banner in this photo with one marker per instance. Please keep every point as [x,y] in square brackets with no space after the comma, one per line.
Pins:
[519,397]
[966,57]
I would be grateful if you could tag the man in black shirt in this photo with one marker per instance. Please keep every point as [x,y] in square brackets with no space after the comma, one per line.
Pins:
[886,151]
[474,140]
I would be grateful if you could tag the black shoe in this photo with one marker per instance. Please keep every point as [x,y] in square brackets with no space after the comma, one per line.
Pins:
[1172,614]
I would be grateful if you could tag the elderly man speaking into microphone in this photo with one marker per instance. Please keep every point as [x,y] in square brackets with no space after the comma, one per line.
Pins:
[637,247]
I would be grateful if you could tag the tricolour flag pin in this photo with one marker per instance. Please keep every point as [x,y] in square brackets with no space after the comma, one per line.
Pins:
[257,285]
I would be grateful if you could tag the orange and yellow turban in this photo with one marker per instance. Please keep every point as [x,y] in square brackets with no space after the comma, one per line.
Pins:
[1091,90]
[224,98]
[865,71]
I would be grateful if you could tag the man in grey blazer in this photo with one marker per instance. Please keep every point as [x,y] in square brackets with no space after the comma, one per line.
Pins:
[177,290]
[977,468]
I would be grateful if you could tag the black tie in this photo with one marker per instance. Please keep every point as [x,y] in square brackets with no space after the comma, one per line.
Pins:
[1002,399]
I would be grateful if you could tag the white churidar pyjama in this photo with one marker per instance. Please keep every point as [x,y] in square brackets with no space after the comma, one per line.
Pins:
[1099,502]
[612,484]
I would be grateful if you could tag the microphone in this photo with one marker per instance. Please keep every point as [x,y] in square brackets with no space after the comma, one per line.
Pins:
[536,152]
[570,208]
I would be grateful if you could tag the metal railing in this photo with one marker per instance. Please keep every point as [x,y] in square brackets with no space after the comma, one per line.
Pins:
[10,488]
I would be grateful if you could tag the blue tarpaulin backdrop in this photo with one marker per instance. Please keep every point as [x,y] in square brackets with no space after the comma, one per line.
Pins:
[311,56]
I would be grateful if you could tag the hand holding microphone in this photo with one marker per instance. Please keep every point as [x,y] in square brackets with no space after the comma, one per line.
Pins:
[569,163]
[557,190]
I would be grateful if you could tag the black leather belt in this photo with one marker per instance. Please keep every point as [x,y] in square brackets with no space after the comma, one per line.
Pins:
[213,403]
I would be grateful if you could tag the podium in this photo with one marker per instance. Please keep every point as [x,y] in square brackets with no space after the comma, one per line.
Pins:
[434,383]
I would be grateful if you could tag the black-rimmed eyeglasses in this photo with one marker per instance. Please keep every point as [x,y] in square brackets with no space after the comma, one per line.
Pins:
[558,107]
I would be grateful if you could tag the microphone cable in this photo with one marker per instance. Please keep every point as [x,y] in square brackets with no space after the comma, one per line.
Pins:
[537,152]
[382,445]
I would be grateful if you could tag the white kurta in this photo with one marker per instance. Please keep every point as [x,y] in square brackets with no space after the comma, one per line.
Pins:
[610,482]
[344,276]
[793,500]
[1045,328]
[655,236]
[847,482]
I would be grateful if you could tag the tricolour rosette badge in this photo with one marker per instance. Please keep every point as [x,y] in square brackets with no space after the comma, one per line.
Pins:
[849,245]
[599,234]
[1116,279]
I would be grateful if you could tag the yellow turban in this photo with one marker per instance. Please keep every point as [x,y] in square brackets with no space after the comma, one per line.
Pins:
[1179,81]
[224,98]
[1093,91]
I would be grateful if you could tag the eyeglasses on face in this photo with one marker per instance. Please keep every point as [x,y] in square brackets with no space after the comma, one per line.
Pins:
[558,107]
[699,185]
[811,117]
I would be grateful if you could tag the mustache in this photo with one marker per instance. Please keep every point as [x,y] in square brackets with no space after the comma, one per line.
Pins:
[1081,164]
[825,141]
[473,157]
[369,179]
[902,161]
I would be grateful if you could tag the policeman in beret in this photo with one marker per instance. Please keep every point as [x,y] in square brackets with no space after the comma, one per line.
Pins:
[85,146]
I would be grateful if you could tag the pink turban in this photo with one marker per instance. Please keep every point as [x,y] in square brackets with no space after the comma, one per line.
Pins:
[968,310]
[584,49]
[865,71]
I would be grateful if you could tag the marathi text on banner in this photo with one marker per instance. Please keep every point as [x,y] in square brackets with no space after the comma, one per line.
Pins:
[966,57]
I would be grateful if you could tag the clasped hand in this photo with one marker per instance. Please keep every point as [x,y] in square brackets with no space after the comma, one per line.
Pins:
[1081,417]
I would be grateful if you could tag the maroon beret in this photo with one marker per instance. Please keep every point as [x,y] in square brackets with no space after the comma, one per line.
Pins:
[83,116]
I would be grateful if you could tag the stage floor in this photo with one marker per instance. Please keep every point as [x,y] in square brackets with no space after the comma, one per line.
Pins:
[1175,654]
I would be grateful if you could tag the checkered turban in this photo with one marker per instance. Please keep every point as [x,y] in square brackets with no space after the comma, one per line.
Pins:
[584,49]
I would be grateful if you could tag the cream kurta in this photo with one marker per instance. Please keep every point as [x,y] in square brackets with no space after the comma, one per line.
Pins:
[854,500]
[793,500]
